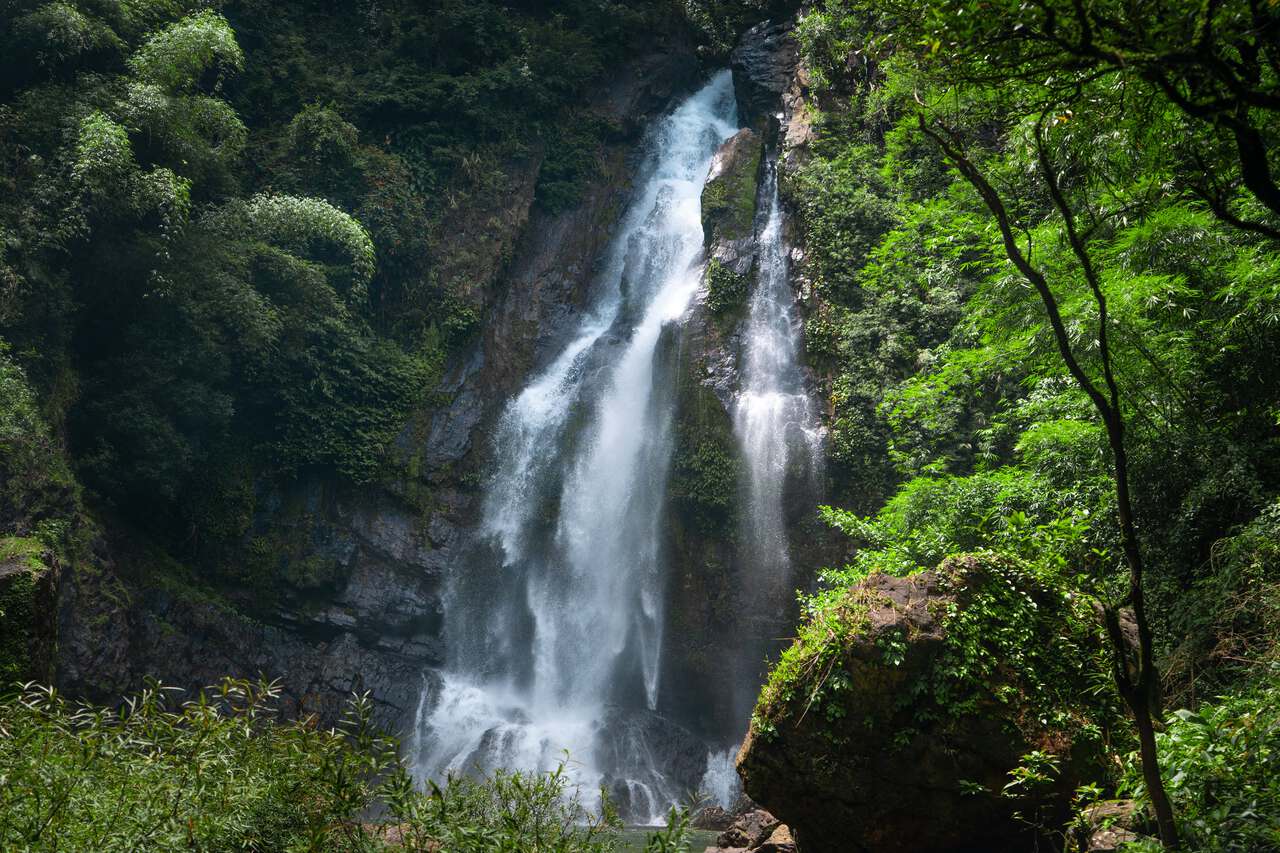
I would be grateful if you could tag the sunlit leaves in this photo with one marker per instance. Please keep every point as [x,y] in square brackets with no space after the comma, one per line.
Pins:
[178,57]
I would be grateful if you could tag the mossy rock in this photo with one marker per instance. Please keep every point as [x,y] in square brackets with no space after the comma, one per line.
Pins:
[729,196]
[894,720]
[726,290]
[28,596]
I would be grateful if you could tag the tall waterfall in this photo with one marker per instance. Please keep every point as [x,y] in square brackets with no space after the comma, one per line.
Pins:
[781,445]
[555,626]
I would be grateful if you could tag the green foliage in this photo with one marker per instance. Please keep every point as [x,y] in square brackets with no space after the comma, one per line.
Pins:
[1229,622]
[726,290]
[103,154]
[213,772]
[263,257]
[305,227]
[729,198]
[1016,632]
[810,667]
[343,399]
[1010,510]
[1221,765]
[221,772]
[572,159]
[20,611]
[322,140]
[178,58]
[952,416]
[36,485]
[504,813]
[704,483]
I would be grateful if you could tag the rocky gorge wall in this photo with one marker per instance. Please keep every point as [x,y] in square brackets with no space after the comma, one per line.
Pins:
[361,608]
[364,567]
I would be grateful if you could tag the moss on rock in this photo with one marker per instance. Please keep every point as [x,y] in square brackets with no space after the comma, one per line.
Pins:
[729,196]
[26,611]
[726,290]
[919,695]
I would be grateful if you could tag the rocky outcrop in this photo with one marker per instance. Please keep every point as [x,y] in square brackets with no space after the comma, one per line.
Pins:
[894,721]
[755,831]
[359,611]
[764,65]
[28,594]
[728,225]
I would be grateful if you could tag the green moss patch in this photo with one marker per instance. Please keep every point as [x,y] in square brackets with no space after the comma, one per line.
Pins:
[729,199]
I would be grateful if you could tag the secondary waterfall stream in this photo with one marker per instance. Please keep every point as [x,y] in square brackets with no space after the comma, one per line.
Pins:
[555,628]
[774,420]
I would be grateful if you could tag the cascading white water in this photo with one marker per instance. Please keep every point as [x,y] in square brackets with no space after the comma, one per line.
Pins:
[774,417]
[781,445]
[555,627]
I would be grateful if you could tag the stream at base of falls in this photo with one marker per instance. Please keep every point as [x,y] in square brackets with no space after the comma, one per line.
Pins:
[556,617]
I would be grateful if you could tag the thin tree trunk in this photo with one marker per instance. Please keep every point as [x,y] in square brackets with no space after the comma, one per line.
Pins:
[1138,688]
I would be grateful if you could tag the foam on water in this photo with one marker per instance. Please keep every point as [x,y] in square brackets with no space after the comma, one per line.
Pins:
[555,625]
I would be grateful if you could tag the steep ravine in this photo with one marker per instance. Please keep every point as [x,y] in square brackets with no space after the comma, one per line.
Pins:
[370,618]
[375,605]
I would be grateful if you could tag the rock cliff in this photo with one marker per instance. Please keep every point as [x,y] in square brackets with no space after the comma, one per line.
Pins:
[364,568]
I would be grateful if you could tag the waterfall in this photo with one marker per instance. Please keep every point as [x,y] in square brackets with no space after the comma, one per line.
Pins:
[555,623]
[774,417]
[781,445]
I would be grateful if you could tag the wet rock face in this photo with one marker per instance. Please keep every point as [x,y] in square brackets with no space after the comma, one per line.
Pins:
[860,754]
[764,65]
[647,747]
[729,197]
[371,622]
[728,226]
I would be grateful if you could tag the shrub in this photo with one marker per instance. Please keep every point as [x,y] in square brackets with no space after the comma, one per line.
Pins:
[1222,770]
[221,772]
[177,57]
[210,773]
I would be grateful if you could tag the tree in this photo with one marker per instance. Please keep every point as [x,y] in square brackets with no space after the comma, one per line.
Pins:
[1137,681]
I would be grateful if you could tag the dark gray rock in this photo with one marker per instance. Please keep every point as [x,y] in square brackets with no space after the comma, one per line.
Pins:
[764,64]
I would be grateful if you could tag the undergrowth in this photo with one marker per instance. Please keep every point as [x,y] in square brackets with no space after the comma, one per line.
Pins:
[220,771]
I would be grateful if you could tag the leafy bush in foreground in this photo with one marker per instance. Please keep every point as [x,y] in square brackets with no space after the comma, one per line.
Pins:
[211,773]
[221,772]
[1222,766]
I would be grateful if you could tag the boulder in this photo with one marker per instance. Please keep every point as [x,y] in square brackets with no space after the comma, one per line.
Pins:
[712,818]
[749,830]
[779,841]
[1106,826]
[892,724]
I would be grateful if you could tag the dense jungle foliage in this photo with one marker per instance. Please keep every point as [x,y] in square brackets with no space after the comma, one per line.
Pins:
[231,236]
[234,248]
[982,166]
